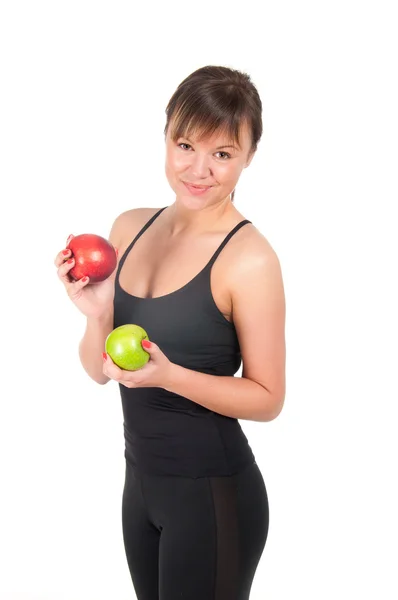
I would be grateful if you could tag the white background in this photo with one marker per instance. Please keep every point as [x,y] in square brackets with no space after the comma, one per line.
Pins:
[84,86]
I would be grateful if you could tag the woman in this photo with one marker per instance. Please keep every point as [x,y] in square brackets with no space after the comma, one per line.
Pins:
[207,287]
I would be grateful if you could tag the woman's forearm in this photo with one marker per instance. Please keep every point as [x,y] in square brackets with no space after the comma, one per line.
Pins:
[92,345]
[235,397]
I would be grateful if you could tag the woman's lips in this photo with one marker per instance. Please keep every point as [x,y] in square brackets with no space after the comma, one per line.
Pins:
[196,191]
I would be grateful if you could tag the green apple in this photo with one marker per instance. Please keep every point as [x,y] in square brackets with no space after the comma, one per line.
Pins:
[124,347]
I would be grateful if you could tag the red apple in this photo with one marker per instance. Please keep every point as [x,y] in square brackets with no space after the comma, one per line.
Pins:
[94,256]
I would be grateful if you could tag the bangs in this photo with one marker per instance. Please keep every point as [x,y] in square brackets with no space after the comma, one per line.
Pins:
[200,123]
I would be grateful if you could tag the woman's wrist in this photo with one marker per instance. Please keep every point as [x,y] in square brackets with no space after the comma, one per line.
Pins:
[103,319]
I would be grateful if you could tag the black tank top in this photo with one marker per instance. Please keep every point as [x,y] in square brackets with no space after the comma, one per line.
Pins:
[165,433]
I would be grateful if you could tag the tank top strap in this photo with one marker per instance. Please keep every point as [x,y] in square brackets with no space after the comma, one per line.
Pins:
[139,234]
[225,241]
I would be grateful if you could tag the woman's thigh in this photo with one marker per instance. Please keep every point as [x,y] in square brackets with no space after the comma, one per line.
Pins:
[141,539]
[213,533]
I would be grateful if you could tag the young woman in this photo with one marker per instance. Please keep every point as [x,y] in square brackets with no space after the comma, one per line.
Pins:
[207,287]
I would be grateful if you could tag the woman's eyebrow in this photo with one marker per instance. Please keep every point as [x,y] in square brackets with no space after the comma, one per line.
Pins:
[219,147]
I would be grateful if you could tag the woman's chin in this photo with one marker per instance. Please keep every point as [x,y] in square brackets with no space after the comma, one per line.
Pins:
[191,202]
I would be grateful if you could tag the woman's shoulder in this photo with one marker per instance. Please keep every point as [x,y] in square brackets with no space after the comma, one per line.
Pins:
[252,243]
[127,224]
[252,263]
[248,253]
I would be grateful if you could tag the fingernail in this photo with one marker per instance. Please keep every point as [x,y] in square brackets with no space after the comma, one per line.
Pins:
[146,344]
[70,261]
[104,357]
[84,279]
[65,252]
[69,237]
[117,252]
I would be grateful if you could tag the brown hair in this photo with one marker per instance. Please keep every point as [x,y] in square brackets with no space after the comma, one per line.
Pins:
[213,98]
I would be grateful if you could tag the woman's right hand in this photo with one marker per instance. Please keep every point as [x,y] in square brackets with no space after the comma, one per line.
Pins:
[92,300]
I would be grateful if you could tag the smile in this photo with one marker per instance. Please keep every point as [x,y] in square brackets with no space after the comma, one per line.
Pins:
[196,190]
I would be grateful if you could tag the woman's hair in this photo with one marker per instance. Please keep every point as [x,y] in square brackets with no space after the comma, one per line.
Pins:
[214,98]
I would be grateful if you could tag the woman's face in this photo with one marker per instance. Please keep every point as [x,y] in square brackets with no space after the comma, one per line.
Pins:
[210,164]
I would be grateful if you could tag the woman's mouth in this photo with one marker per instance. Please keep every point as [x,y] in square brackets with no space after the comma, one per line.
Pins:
[197,190]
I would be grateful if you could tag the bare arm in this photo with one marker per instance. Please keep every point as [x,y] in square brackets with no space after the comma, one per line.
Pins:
[92,345]
[259,316]
[98,328]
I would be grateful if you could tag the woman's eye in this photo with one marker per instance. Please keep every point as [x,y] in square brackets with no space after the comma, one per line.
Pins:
[225,153]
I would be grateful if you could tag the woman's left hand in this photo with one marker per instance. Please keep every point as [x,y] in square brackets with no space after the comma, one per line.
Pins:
[155,373]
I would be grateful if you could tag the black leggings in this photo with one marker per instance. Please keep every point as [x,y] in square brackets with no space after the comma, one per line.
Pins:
[194,539]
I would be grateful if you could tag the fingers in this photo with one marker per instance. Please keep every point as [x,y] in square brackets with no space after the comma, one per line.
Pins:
[74,288]
[64,254]
[62,257]
[64,261]
[111,370]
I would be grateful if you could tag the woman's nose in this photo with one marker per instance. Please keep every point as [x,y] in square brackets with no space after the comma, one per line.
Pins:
[200,166]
